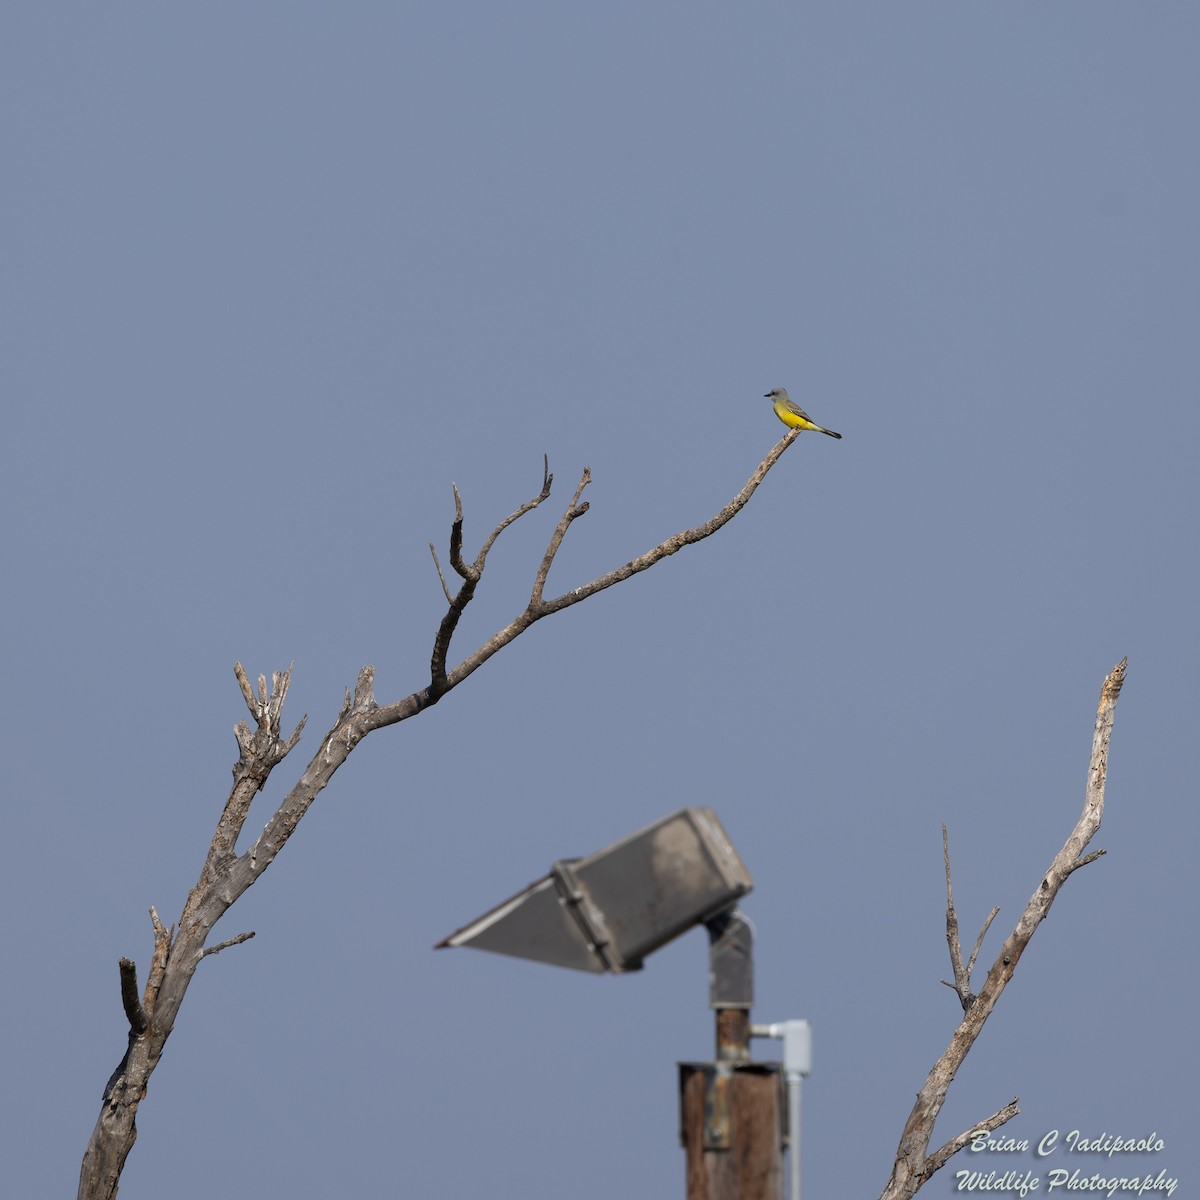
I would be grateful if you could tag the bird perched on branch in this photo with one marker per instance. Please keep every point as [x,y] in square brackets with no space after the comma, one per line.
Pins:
[792,415]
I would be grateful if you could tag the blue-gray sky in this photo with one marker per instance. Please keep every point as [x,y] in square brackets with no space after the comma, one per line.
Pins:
[275,275]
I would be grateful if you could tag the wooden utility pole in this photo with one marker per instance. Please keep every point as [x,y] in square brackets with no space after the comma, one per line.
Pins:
[733,1116]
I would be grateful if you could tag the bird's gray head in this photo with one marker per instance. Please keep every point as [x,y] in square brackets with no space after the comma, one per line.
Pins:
[777,394]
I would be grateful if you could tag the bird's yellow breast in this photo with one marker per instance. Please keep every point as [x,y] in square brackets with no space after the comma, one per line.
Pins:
[792,419]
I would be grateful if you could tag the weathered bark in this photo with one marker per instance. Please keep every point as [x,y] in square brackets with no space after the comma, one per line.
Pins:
[913,1165]
[226,875]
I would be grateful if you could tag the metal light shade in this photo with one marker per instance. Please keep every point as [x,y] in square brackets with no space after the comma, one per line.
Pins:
[608,911]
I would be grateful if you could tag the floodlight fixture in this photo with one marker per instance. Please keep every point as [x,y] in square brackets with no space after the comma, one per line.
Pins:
[608,911]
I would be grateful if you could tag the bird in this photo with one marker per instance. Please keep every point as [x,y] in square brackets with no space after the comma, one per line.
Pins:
[792,415]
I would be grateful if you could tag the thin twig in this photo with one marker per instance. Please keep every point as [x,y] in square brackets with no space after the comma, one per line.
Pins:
[979,941]
[574,510]
[445,589]
[962,981]
[528,506]
[962,971]
[233,941]
[1088,858]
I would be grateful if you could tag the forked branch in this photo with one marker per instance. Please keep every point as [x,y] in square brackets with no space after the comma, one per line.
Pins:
[443,679]
[962,971]
[470,573]
[913,1164]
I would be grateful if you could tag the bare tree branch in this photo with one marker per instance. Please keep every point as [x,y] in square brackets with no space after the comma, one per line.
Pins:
[962,971]
[939,1158]
[226,875]
[574,510]
[158,963]
[979,941]
[1087,858]
[962,979]
[538,607]
[134,1013]
[913,1167]
[233,941]
[471,573]
[436,563]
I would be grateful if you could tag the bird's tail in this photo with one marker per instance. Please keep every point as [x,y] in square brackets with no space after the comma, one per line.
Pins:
[830,433]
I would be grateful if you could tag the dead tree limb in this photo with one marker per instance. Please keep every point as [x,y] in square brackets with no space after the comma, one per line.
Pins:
[226,875]
[913,1164]
[962,971]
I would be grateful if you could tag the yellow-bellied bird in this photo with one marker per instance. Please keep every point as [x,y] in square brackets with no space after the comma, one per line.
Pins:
[792,415]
